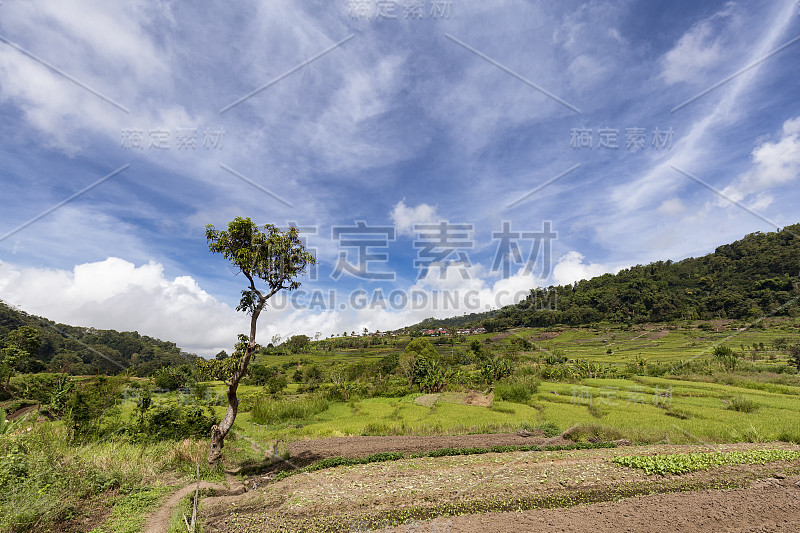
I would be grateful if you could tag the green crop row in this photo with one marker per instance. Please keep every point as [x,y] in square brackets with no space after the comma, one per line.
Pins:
[683,463]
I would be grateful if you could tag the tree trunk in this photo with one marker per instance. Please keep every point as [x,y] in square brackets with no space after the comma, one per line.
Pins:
[219,432]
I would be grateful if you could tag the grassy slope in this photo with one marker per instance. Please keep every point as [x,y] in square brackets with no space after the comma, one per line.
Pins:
[645,409]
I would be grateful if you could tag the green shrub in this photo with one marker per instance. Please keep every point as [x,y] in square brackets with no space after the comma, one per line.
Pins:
[790,436]
[42,482]
[517,391]
[592,433]
[743,404]
[345,391]
[494,369]
[276,383]
[794,356]
[388,363]
[39,387]
[89,405]
[726,357]
[313,374]
[387,388]
[555,358]
[8,426]
[548,428]
[259,374]
[173,422]
[595,410]
[168,378]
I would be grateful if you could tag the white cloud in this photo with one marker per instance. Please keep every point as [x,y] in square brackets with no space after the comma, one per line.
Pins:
[696,51]
[116,294]
[405,217]
[699,149]
[672,206]
[349,134]
[774,164]
[699,50]
[571,268]
[469,286]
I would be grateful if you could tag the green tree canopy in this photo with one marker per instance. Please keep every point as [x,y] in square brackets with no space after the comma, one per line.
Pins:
[21,345]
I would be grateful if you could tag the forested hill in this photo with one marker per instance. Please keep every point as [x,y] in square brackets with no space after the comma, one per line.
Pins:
[755,276]
[78,350]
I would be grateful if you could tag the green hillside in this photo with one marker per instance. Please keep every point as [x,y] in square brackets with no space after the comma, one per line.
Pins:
[754,277]
[78,350]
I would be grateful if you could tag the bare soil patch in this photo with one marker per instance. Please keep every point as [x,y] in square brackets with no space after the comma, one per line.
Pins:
[22,412]
[427,400]
[466,398]
[363,446]
[765,506]
[483,487]
[545,336]
[481,400]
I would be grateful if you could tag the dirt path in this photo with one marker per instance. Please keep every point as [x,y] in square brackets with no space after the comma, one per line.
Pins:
[159,522]
[22,412]
[766,506]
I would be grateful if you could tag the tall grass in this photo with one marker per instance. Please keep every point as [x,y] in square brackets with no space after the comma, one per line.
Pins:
[44,480]
[276,411]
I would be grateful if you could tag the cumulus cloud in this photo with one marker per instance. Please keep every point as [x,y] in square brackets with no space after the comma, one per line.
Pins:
[116,294]
[468,284]
[405,217]
[774,164]
[571,268]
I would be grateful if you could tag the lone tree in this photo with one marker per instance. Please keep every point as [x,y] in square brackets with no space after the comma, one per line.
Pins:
[270,259]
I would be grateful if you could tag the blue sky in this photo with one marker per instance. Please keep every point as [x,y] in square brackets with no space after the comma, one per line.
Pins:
[471,113]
